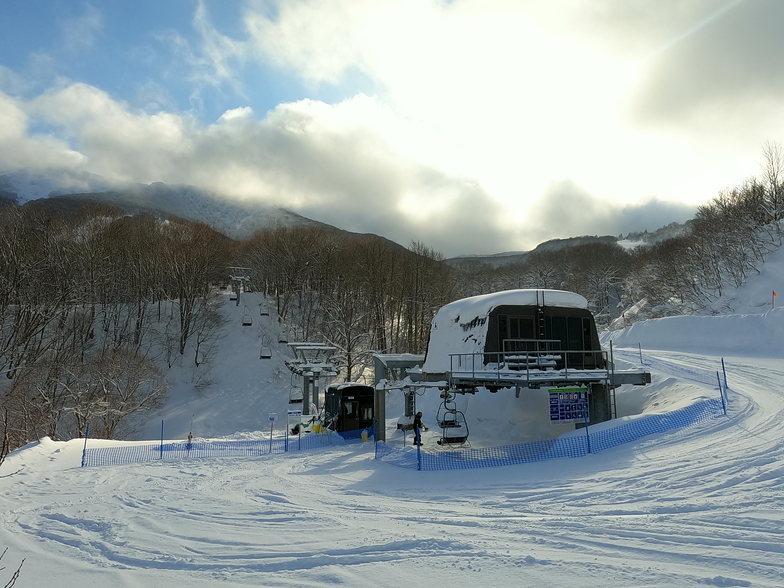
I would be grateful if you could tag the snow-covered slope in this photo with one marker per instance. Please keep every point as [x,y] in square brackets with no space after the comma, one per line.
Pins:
[233,390]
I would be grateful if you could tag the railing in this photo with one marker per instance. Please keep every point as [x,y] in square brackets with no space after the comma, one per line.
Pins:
[528,364]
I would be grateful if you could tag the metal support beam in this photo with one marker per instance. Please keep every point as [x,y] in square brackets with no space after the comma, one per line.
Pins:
[381,414]
[306,394]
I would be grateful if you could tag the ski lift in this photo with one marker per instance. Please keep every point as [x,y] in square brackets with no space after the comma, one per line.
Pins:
[266,350]
[454,429]
[263,310]
[233,295]
[283,337]
[247,320]
[295,395]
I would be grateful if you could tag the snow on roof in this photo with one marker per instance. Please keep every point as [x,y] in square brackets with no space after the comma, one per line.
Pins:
[348,385]
[460,326]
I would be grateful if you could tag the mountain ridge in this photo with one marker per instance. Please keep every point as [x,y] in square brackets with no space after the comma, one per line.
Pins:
[237,219]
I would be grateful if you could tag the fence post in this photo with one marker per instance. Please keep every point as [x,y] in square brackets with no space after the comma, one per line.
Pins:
[587,436]
[161,438]
[84,451]
[723,403]
[639,347]
[724,369]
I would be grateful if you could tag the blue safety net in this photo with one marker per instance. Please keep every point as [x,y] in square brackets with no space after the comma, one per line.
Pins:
[575,445]
[170,451]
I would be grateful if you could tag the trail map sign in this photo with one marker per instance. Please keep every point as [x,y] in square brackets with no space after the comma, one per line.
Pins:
[568,404]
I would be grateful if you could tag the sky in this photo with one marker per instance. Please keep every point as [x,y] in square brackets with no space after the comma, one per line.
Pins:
[473,126]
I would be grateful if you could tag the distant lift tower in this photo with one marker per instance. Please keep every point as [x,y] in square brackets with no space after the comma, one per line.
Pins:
[312,362]
[238,277]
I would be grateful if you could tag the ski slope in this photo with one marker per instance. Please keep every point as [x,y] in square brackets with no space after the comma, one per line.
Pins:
[700,506]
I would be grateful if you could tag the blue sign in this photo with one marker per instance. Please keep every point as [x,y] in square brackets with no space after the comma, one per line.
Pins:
[568,404]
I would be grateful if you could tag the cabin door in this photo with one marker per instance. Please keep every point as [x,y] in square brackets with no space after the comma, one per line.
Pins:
[350,415]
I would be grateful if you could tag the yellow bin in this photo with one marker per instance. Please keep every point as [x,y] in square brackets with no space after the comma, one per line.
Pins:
[364,436]
[316,428]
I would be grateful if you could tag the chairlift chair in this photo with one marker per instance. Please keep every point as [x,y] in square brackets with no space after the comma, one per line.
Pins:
[283,337]
[454,428]
[266,350]
[247,320]
[263,310]
[295,395]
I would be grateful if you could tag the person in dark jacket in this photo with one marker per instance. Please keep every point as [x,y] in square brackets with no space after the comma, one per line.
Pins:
[418,426]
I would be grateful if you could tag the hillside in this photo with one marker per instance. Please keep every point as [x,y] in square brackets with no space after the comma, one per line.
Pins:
[501,259]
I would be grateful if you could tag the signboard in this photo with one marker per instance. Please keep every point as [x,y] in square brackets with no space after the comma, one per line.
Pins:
[568,405]
[273,417]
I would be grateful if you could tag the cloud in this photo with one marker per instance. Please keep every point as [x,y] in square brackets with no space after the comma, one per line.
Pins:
[332,163]
[211,60]
[21,150]
[79,33]
[503,92]
[320,40]
[567,210]
[702,78]
[217,51]
[700,68]
[114,141]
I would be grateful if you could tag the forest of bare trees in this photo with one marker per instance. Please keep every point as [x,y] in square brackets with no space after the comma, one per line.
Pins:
[358,293]
[95,305]
[92,303]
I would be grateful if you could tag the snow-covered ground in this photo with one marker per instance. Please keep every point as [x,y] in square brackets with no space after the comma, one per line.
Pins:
[693,507]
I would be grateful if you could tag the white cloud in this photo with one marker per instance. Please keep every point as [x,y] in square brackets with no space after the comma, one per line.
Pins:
[330,35]
[211,60]
[498,95]
[21,150]
[79,33]
[235,114]
[217,51]
[625,99]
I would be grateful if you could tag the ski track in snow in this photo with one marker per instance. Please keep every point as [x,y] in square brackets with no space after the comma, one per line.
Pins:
[697,506]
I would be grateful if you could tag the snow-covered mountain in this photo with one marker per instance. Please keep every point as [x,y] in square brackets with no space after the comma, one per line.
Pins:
[237,219]
[509,257]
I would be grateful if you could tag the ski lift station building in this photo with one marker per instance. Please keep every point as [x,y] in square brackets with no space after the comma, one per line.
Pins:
[522,339]
[516,330]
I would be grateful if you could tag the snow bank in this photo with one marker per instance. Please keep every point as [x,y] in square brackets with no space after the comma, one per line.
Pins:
[745,335]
